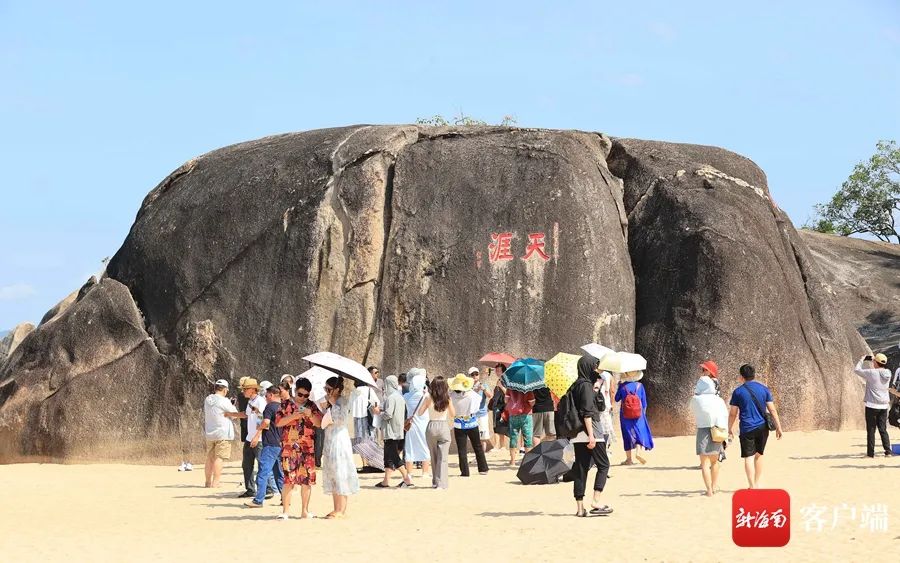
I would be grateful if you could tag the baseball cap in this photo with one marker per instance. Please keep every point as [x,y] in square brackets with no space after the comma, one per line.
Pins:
[221,383]
[474,370]
[264,385]
[880,358]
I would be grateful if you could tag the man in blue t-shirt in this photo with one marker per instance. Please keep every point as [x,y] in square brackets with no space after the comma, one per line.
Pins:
[750,402]
[270,457]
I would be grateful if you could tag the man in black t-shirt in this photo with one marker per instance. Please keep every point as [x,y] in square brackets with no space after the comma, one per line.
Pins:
[542,416]
[270,458]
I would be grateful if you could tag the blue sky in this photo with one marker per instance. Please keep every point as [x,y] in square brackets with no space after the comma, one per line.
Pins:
[101,100]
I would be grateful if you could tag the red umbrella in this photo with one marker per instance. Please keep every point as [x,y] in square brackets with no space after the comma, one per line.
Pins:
[494,358]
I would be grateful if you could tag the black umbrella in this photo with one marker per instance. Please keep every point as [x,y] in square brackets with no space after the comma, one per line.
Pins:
[544,464]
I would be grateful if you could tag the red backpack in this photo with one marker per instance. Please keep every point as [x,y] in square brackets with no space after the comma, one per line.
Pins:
[631,406]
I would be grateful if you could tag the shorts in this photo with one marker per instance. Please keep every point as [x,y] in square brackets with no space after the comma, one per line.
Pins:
[392,449]
[521,423]
[543,424]
[705,444]
[219,448]
[484,428]
[754,442]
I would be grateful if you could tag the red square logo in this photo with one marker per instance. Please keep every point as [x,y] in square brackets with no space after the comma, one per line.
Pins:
[761,518]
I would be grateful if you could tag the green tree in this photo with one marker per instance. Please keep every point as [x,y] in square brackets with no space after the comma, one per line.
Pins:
[869,201]
[461,119]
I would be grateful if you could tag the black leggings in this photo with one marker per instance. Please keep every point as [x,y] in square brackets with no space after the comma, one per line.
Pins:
[584,459]
[462,450]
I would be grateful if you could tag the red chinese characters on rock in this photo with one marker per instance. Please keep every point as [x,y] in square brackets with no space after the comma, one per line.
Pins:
[535,246]
[500,248]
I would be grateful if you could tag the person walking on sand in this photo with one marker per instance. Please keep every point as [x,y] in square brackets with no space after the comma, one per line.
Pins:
[466,403]
[633,416]
[710,412]
[438,406]
[750,402]
[269,435]
[393,417]
[339,473]
[415,448]
[877,400]
[298,419]
[590,447]
[219,432]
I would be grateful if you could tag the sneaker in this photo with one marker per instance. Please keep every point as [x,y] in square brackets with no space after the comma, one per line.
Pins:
[269,495]
[282,516]
[247,494]
[888,454]
[252,504]
[188,467]
[183,467]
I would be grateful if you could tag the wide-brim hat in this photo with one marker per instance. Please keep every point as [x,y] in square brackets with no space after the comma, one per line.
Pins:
[249,383]
[461,382]
[631,376]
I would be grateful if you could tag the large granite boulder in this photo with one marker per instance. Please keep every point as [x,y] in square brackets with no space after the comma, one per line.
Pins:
[864,276]
[406,245]
[721,273]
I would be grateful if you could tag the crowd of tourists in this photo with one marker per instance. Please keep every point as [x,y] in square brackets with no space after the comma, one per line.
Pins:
[404,425]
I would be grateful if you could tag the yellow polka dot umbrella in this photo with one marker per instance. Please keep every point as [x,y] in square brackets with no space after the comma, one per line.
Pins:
[560,372]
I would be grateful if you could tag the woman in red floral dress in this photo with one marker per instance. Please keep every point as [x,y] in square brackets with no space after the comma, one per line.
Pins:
[298,419]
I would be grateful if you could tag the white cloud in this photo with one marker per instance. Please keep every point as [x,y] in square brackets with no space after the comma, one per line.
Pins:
[663,30]
[16,292]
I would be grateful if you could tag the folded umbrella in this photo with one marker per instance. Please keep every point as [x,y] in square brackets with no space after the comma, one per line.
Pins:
[525,375]
[623,362]
[544,464]
[560,372]
[342,366]
[495,358]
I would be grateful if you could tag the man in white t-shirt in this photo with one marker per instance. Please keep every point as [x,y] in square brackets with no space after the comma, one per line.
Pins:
[256,404]
[218,430]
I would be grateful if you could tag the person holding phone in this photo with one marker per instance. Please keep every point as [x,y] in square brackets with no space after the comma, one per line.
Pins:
[251,415]
[298,419]
[877,401]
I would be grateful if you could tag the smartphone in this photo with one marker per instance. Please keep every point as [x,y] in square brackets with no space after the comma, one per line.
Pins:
[868,358]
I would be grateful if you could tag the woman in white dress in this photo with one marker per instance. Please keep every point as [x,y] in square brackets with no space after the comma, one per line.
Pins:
[415,448]
[339,469]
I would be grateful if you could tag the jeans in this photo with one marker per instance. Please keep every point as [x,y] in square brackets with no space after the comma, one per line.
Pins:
[877,418]
[249,464]
[584,459]
[269,463]
[462,449]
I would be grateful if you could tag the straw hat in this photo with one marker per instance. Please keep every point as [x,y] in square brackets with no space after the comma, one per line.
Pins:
[461,383]
[249,383]
[631,376]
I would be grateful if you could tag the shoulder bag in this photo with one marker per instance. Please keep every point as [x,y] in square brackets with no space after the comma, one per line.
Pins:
[763,411]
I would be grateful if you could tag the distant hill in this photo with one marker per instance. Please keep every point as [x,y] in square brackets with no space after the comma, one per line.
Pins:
[3,333]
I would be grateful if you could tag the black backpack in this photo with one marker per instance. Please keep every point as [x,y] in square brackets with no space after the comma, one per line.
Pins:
[568,423]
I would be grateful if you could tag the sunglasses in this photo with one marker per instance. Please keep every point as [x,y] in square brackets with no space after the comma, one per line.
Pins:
[304,395]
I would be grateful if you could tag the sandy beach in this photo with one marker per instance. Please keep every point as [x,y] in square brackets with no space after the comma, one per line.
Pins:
[145,513]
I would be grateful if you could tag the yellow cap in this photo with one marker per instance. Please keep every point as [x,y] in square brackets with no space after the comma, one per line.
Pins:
[880,358]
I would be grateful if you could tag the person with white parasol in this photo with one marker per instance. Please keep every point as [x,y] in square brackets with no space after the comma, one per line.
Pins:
[633,411]
[339,477]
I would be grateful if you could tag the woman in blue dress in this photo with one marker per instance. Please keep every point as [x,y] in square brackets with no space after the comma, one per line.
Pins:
[633,416]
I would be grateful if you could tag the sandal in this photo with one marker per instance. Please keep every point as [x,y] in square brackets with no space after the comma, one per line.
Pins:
[381,485]
[604,510]
[641,460]
[582,514]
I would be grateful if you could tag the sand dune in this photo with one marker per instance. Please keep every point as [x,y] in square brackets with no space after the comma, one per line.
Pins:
[146,513]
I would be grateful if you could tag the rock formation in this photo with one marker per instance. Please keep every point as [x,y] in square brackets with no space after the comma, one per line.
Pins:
[864,277]
[405,245]
[13,338]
